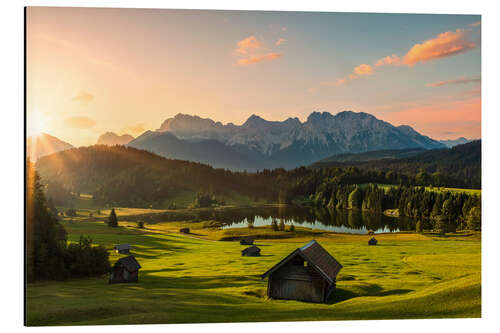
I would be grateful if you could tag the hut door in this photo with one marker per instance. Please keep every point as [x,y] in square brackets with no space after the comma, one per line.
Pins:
[297,289]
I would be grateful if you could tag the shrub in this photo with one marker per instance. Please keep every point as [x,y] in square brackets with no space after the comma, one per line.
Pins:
[140,224]
[292,228]
[71,212]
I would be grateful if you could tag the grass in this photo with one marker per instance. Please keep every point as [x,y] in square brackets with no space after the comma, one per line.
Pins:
[189,280]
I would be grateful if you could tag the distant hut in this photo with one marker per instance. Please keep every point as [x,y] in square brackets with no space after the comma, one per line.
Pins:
[372,241]
[122,248]
[307,274]
[246,241]
[252,251]
[185,230]
[125,270]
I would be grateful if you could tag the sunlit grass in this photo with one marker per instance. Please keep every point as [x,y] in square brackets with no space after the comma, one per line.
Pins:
[187,279]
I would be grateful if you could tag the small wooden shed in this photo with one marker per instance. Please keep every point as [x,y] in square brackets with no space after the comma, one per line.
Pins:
[125,270]
[122,248]
[184,230]
[372,241]
[307,274]
[252,251]
[246,241]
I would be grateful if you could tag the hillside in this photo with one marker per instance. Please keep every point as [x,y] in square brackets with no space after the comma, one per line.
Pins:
[44,144]
[462,163]
[374,155]
[130,176]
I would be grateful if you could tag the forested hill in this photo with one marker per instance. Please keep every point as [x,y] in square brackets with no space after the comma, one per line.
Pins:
[461,163]
[130,176]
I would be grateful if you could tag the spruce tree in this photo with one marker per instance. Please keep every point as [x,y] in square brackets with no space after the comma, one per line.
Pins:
[112,219]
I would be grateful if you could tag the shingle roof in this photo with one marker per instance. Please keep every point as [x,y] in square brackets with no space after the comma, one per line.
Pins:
[317,257]
[129,263]
[120,247]
[251,249]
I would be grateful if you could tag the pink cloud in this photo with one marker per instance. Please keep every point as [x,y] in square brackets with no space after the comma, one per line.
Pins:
[389,60]
[443,45]
[280,41]
[247,44]
[475,24]
[460,80]
[363,69]
[259,58]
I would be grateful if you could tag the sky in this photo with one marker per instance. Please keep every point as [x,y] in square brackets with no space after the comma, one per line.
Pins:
[92,70]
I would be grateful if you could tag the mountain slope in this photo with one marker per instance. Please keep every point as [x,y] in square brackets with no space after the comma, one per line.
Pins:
[288,144]
[111,139]
[209,151]
[44,144]
[373,155]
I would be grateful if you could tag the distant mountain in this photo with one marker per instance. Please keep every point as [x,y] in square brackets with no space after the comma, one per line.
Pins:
[209,151]
[290,143]
[453,143]
[461,163]
[111,139]
[44,144]
[372,155]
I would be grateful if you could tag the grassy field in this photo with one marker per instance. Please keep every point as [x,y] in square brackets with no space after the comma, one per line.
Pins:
[185,278]
[434,189]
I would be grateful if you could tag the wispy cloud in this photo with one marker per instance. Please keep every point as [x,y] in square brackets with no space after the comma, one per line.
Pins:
[280,41]
[80,122]
[475,24]
[255,59]
[135,129]
[252,51]
[443,45]
[248,44]
[83,97]
[460,80]
[363,69]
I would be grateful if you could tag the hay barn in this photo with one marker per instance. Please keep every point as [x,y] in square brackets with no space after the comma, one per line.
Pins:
[307,274]
[252,251]
[125,270]
[372,241]
[123,248]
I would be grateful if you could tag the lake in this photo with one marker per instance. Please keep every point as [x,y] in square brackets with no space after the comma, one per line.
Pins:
[343,221]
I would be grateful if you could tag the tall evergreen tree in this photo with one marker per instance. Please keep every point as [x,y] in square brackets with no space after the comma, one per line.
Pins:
[112,219]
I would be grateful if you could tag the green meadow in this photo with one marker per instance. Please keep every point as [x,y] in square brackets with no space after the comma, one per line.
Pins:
[194,279]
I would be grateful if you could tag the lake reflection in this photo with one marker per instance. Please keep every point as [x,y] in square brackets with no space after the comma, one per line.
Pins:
[343,221]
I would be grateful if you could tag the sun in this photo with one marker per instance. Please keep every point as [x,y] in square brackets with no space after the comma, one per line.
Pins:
[36,123]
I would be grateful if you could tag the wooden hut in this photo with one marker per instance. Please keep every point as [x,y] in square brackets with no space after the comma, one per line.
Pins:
[252,251]
[184,230]
[307,274]
[246,241]
[372,241]
[122,248]
[125,270]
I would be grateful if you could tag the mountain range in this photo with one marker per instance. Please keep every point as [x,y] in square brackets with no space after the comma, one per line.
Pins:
[44,144]
[111,139]
[456,142]
[259,144]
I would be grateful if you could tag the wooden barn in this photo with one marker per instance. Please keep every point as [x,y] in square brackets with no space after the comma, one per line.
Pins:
[122,248]
[372,241]
[246,241]
[307,274]
[184,230]
[125,270]
[252,251]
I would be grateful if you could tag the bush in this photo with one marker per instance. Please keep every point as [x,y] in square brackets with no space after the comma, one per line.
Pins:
[83,259]
[292,228]
[140,224]
[274,225]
